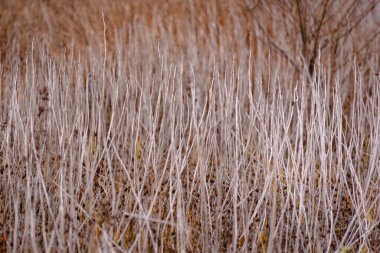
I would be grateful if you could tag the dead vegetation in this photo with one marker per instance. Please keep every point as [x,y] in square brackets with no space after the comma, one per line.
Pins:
[167,126]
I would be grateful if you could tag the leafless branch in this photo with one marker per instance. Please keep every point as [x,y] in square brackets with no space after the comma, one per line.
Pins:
[275,46]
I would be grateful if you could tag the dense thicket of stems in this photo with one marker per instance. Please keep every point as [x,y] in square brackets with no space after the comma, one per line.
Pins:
[161,155]
[186,126]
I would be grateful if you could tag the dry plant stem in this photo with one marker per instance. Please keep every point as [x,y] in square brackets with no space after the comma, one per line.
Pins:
[142,164]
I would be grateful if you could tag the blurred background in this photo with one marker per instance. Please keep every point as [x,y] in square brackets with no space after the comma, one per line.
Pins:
[294,33]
